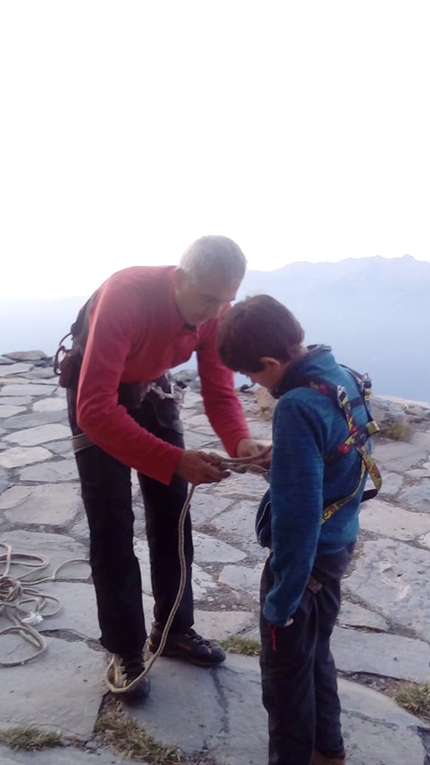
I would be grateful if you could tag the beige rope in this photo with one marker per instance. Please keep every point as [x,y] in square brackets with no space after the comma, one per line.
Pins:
[181,588]
[237,464]
[17,595]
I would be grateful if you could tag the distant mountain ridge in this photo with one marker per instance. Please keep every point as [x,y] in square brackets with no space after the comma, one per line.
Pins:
[374,312]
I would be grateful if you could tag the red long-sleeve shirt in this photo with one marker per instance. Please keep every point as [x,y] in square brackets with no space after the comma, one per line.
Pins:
[135,335]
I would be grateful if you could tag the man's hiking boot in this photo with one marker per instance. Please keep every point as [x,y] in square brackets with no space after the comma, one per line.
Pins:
[125,670]
[319,759]
[189,646]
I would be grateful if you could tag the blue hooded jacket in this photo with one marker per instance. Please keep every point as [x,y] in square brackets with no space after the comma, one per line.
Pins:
[307,425]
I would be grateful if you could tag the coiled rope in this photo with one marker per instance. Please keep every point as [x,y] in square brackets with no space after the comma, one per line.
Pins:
[24,605]
[16,595]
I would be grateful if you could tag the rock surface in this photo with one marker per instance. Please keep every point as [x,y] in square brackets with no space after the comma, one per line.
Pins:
[384,624]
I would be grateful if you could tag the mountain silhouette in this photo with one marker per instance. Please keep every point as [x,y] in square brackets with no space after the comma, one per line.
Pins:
[374,312]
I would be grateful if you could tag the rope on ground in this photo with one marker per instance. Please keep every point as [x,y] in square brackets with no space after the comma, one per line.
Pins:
[182,581]
[24,605]
[17,594]
[238,465]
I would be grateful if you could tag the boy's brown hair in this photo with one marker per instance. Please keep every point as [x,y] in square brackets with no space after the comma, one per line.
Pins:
[256,327]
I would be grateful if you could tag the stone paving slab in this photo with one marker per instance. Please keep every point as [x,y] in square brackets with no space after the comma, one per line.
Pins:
[417,496]
[218,625]
[16,369]
[34,355]
[388,579]
[393,577]
[392,521]
[367,703]
[43,373]
[242,578]
[15,400]
[195,440]
[18,456]
[50,405]
[50,472]
[208,549]
[62,689]
[51,380]
[78,608]
[212,723]
[401,456]
[239,524]
[203,583]
[23,389]
[62,756]
[193,400]
[200,423]
[205,507]
[391,484]
[34,419]
[381,654]
[15,380]
[63,448]
[230,722]
[353,615]
[242,486]
[10,410]
[54,504]
[56,548]
[4,480]
[369,743]
[41,434]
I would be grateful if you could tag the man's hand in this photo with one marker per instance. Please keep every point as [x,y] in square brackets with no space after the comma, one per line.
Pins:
[249,447]
[199,467]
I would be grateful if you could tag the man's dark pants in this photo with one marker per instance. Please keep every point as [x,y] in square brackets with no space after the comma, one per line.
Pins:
[106,492]
[298,671]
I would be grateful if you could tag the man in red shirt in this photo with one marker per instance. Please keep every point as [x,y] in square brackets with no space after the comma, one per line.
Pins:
[140,323]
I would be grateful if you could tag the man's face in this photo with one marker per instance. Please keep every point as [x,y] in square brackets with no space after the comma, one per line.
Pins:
[204,299]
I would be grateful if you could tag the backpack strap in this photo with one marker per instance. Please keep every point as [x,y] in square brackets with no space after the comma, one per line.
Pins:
[356,439]
[67,361]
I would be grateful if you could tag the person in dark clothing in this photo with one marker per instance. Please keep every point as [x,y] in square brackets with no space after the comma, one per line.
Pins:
[141,322]
[300,587]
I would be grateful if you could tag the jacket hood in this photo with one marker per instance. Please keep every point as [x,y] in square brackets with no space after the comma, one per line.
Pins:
[318,362]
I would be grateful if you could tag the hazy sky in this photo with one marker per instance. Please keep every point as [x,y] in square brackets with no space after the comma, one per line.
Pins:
[128,129]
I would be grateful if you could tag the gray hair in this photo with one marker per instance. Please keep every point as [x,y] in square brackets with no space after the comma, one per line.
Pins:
[214,254]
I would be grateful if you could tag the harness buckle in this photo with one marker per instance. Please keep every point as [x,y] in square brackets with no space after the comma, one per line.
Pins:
[342,397]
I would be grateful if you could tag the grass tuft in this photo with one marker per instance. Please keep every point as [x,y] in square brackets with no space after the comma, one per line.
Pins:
[415,698]
[243,645]
[127,739]
[397,431]
[29,738]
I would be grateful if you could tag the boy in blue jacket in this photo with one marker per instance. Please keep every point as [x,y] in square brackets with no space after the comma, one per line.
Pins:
[313,474]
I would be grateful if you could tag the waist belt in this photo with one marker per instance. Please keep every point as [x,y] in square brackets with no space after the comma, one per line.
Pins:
[81,442]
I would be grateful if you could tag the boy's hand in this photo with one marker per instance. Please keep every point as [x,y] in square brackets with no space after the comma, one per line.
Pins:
[249,447]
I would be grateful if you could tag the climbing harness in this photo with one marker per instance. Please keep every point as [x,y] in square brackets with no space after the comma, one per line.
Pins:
[358,435]
[24,605]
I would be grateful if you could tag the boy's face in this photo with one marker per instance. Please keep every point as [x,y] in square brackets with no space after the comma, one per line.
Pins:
[271,375]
